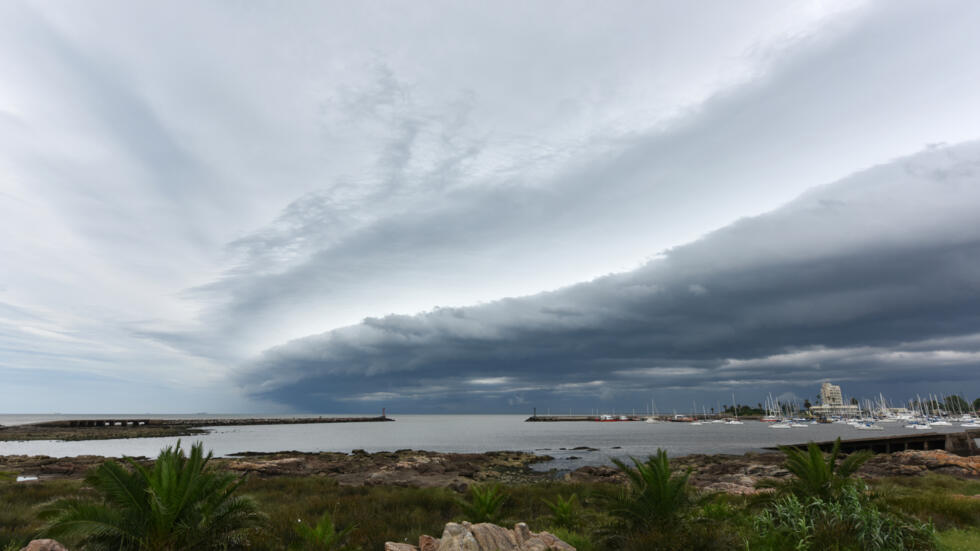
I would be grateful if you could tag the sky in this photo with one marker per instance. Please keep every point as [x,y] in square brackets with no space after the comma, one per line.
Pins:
[485,207]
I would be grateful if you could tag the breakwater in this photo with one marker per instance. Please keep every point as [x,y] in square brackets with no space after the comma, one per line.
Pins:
[109,428]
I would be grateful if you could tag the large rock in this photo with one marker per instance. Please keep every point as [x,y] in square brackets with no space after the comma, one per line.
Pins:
[428,543]
[485,537]
[44,545]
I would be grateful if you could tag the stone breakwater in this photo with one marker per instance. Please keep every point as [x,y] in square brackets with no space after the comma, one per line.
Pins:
[111,429]
[734,474]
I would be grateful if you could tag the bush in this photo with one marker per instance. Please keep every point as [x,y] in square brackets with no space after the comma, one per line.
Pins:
[564,512]
[325,536]
[814,476]
[177,504]
[848,522]
[655,496]
[485,503]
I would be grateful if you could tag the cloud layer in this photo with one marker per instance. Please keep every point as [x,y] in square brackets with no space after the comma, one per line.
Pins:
[184,186]
[873,281]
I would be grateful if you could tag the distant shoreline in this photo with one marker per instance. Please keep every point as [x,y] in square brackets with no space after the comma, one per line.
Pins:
[112,428]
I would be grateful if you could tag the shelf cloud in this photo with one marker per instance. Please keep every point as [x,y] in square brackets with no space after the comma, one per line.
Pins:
[867,281]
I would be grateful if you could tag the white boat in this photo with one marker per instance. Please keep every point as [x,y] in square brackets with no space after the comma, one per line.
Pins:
[869,426]
[734,422]
[973,425]
[799,425]
[651,420]
[780,426]
[940,423]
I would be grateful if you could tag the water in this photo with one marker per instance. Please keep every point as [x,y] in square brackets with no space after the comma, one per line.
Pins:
[463,433]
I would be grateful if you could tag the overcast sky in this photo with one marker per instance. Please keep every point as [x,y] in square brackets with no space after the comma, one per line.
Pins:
[444,206]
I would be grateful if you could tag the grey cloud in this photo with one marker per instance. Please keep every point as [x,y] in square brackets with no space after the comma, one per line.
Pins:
[865,281]
[611,197]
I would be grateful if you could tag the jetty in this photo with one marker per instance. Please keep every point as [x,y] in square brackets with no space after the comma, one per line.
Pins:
[107,428]
[959,443]
[227,422]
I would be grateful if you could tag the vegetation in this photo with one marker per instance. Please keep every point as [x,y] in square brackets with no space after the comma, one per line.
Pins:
[178,503]
[816,477]
[325,536]
[484,503]
[564,512]
[848,521]
[930,512]
[654,497]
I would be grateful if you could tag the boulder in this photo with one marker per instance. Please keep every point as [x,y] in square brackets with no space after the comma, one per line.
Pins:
[428,543]
[44,545]
[485,537]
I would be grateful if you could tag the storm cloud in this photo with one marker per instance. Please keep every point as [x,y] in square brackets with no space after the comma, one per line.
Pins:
[872,281]
[323,206]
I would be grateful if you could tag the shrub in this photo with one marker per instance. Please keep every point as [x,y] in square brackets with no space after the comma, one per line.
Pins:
[485,503]
[654,497]
[814,476]
[325,536]
[178,503]
[850,521]
[564,512]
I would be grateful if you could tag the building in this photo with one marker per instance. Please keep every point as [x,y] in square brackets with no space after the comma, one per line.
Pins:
[832,403]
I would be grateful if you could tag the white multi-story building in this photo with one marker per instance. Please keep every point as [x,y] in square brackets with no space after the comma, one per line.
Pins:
[832,403]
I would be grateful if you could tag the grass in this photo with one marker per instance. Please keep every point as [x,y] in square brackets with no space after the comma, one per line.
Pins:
[946,501]
[960,540]
[388,513]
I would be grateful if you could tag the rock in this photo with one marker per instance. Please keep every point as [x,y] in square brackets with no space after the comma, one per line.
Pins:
[428,543]
[485,537]
[491,536]
[457,537]
[44,545]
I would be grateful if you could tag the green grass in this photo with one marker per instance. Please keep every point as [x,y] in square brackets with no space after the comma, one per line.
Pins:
[944,500]
[388,513]
[960,540]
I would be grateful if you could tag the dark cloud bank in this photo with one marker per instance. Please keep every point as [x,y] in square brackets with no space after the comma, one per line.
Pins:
[872,282]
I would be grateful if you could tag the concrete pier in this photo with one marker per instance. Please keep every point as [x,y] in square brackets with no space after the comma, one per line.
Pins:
[109,422]
[960,443]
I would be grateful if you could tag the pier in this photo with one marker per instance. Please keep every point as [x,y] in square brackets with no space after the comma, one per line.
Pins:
[79,423]
[105,428]
[959,443]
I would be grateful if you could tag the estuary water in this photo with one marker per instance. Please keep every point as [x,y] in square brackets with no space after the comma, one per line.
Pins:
[462,433]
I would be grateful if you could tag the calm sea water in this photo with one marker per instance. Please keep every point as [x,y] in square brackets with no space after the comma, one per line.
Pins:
[462,433]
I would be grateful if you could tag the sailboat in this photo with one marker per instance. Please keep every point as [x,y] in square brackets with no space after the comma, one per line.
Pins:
[734,421]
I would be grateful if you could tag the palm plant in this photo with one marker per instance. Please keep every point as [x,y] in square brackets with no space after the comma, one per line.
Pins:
[819,477]
[484,504]
[655,496]
[325,536]
[177,504]
[564,511]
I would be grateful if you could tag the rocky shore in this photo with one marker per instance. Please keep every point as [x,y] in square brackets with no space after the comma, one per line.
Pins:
[734,474]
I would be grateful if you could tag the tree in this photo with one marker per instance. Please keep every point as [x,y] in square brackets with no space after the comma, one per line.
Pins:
[955,403]
[854,401]
[177,504]
[807,404]
[976,404]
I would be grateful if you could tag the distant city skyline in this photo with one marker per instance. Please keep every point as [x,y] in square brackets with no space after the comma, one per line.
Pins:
[436,207]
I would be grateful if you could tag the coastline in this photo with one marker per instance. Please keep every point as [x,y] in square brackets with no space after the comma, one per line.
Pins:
[732,474]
